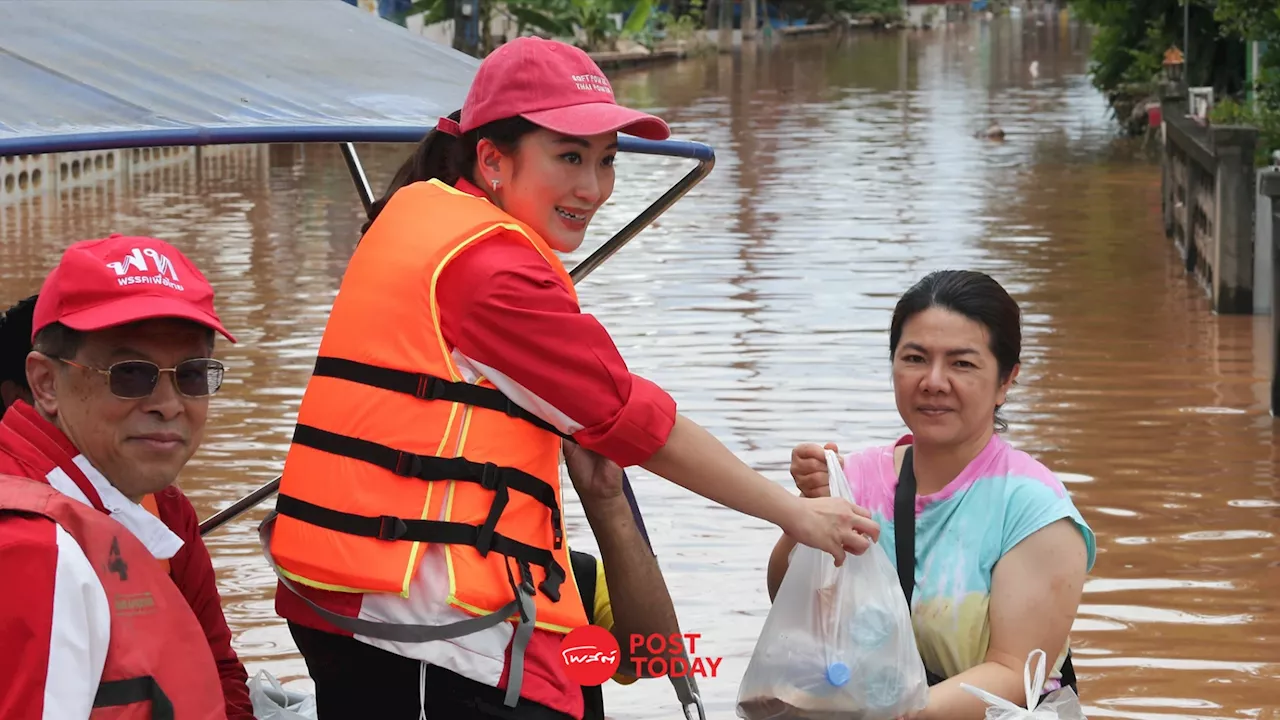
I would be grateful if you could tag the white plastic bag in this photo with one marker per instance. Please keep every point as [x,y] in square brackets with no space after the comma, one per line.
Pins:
[1061,704]
[272,702]
[838,643]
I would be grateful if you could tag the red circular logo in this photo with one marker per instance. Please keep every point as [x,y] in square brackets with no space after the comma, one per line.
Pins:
[590,655]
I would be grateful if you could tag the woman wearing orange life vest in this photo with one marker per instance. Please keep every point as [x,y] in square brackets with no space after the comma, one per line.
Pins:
[419,537]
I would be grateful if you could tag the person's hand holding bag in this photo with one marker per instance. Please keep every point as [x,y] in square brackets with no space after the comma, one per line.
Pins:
[809,468]
[826,520]
[838,642]
[1061,704]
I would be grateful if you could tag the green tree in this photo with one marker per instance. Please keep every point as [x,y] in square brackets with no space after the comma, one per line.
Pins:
[1257,21]
[824,10]
[1132,35]
[555,18]
[560,18]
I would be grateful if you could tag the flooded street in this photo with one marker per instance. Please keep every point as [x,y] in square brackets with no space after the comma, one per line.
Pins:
[846,170]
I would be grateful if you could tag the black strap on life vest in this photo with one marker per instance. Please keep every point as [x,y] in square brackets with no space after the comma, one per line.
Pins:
[584,571]
[904,530]
[387,527]
[428,387]
[496,478]
[115,693]
[430,468]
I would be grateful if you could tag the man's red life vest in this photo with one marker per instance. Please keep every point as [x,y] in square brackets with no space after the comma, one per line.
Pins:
[158,663]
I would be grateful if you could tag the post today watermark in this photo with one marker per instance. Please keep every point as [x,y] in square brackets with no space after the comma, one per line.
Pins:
[591,656]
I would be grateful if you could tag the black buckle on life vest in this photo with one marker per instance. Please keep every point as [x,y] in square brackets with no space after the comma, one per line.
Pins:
[429,388]
[550,585]
[514,410]
[557,528]
[408,464]
[526,578]
[391,528]
[491,477]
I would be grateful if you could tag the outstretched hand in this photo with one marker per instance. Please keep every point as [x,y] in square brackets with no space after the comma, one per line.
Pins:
[832,525]
[829,524]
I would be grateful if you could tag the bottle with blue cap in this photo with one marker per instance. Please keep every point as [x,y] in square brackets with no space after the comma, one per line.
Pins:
[872,626]
[839,642]
[838,674]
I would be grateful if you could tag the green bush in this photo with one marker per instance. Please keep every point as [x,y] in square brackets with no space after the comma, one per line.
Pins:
[1132,35]
[1256,21]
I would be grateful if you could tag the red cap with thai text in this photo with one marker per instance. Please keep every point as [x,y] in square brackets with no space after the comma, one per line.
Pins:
[552,85]
[100,284]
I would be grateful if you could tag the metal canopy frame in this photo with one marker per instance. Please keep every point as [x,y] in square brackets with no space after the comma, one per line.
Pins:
[346,137]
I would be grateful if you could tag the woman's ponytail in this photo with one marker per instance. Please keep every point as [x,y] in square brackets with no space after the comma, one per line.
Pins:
[436,157]
[446,157]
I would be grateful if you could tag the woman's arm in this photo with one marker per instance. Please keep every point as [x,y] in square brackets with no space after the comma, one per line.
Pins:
[1035,593]
[563,366]
[693,459]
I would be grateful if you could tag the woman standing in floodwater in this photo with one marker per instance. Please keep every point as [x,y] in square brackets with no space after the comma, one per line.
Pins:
[1000,552]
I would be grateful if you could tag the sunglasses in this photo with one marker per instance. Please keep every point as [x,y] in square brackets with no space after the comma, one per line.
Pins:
[136,379]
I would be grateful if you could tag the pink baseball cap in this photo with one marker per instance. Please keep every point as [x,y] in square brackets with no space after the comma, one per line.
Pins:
[99,284]
[552,85]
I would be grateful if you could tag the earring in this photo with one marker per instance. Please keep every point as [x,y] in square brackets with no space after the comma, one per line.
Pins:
[495,183]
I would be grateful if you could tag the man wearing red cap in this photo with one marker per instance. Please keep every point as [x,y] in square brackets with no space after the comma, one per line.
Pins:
[120,379]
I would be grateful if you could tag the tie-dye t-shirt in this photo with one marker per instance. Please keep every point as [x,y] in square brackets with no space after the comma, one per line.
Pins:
[1000,499]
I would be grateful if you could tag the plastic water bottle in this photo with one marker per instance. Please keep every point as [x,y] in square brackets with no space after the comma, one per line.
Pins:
[871,627]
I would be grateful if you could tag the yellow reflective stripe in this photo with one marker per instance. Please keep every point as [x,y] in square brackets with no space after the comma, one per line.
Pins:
[489,230]
[448,509]
[514,616]
[323,586]
[417,545]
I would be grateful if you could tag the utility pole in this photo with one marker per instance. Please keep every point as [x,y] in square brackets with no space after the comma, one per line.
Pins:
[465,19]
[1186,38]
[726,26]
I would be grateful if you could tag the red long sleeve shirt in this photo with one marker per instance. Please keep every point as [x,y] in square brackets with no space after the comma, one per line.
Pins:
[502,306]
[192,571]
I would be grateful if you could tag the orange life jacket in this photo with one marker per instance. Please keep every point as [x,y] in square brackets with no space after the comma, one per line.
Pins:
[158,663]
[394,449]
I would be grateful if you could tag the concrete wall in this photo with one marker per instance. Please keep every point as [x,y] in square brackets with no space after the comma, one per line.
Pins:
[39,181]
[918,14]
[935,13]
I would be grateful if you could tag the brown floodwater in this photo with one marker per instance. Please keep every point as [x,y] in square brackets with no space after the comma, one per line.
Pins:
[846,170]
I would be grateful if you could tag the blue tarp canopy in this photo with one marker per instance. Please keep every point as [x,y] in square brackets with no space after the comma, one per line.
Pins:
[99,74]
[103,74]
